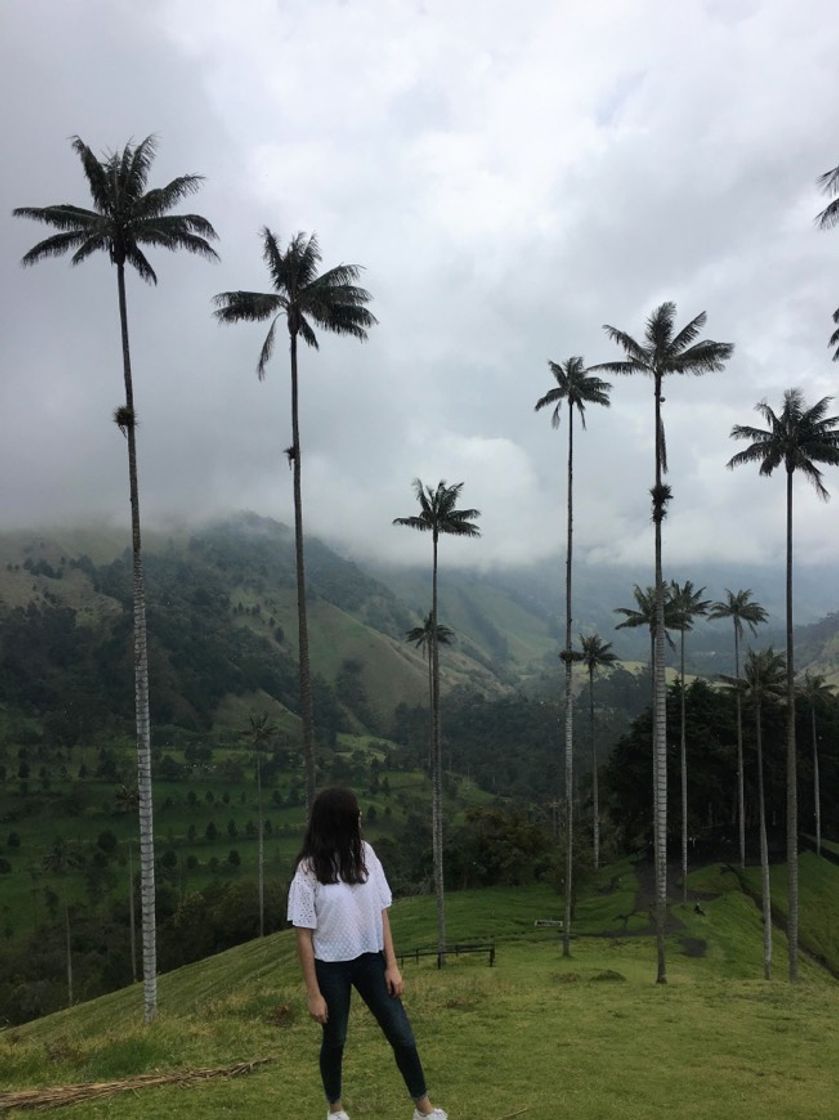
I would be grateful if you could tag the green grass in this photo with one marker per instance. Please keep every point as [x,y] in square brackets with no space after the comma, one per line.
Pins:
[818,904]
[592,1035]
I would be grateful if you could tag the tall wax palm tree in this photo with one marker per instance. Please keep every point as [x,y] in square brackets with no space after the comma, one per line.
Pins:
[740,607]
[796,438]
[575,388]
[664,351]
[301,297]
[594,654]
[763,683]
[439,516]
[688,604]
[827,219]
[125,219]
[815,690]
[420,636]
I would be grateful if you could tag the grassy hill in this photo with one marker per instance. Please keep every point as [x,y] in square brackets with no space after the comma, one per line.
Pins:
[592,1036]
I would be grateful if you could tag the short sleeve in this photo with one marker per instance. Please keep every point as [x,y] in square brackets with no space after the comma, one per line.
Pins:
[301,900]
[378,878]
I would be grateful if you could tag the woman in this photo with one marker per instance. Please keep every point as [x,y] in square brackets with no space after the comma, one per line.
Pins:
[338,902]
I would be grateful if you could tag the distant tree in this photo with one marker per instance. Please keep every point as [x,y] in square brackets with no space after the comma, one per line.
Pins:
[125,218]
[13,840]
[301,297]
[211,832]
[232,830]
[740,608]
[796,438]
[815,691]
[437,516]
[595,654]
[234,859]
[575,387]
[663,351]
[827,219]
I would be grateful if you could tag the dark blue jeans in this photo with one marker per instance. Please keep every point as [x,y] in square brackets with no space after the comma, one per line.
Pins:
[367,975]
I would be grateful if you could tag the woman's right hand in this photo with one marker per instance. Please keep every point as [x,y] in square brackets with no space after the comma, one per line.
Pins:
[317,1008]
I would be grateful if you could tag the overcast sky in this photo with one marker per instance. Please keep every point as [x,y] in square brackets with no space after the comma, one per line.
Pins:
[511,176]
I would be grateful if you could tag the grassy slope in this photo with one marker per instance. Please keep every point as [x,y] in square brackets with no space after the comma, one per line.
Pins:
[534,1031]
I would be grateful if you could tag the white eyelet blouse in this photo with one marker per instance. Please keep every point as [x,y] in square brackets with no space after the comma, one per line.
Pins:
[346,918]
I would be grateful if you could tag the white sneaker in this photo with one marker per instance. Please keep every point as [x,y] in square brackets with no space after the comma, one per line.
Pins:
[435,1114]
[337,1115]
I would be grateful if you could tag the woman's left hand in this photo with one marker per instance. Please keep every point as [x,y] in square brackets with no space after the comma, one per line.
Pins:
[393,979]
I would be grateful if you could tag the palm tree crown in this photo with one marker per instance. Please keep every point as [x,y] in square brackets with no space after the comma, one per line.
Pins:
[739,606]
[643,613]
[331,300]
[576,386]
[797,437]
[438,513]
[420,636]
[764,676]
[687,604]
[125,216]
[595,653]
[664,350]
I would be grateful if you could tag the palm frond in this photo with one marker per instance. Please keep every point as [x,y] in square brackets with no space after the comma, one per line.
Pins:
[639,358]
[704,357]
[658,329]
[250,307]
[136,164]
[160,200]
[343,318]
[91,245]
[419,523]
[687,335]
[829,184]
[306,333]
[267,350]
[55,246]
[136,258]
[552,397]
[95,174]
[173,234]
[63,216]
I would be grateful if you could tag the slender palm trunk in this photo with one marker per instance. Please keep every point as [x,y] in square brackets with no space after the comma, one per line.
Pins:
[792,779]
[131,920]
[816,791]
[659,711]
[260,855]
[764,853]
[306,711]
[430,711]
[595,795]
[741,794]
[569,704]
[437,771]
[69,956]
[141,687]
[684,761]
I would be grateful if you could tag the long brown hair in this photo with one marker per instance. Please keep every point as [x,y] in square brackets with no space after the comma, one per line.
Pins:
[332,843]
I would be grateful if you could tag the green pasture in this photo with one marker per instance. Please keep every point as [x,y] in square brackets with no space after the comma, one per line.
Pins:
[591,1037]
[79,811]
